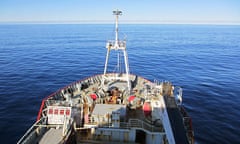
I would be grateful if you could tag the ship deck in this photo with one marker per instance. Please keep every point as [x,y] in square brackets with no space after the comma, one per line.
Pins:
[176,121]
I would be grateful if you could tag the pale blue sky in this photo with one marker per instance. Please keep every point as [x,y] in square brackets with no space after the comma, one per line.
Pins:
[134,11]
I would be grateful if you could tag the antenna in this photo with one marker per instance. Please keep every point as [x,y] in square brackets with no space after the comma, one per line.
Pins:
[117,13]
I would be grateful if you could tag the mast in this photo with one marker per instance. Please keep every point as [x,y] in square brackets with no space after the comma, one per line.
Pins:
[117,13]
[119,45]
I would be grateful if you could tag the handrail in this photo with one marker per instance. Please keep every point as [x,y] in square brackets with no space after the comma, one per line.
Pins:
[136,123]
[40,110]
[28,131]
[133,123]
[48,125]
[31,129]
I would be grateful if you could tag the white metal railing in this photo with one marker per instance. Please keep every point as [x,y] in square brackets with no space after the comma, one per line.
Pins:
[132,123]
[29,132]
[136,123]
[66,125]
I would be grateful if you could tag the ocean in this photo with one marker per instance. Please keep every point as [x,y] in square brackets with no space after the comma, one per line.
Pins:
[38,59]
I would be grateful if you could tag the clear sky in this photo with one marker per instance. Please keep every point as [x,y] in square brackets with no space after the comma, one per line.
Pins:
[134,11]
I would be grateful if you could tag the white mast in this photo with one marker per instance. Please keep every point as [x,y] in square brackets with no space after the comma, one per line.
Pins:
[117,13]
[117,45]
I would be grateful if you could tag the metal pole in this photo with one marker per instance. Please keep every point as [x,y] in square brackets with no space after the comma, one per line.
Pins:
[106,62]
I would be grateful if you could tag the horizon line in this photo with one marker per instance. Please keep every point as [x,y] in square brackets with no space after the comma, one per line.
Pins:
[125,22]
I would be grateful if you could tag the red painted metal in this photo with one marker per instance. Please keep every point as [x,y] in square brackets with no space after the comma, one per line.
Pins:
[40,110]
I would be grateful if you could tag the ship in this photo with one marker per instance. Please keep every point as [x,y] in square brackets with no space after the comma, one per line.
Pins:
[113,108]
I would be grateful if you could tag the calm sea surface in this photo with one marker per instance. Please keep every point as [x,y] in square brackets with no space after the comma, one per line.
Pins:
[37,60]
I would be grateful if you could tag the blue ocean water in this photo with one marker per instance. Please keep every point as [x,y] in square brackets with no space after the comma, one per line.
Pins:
[37,60]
